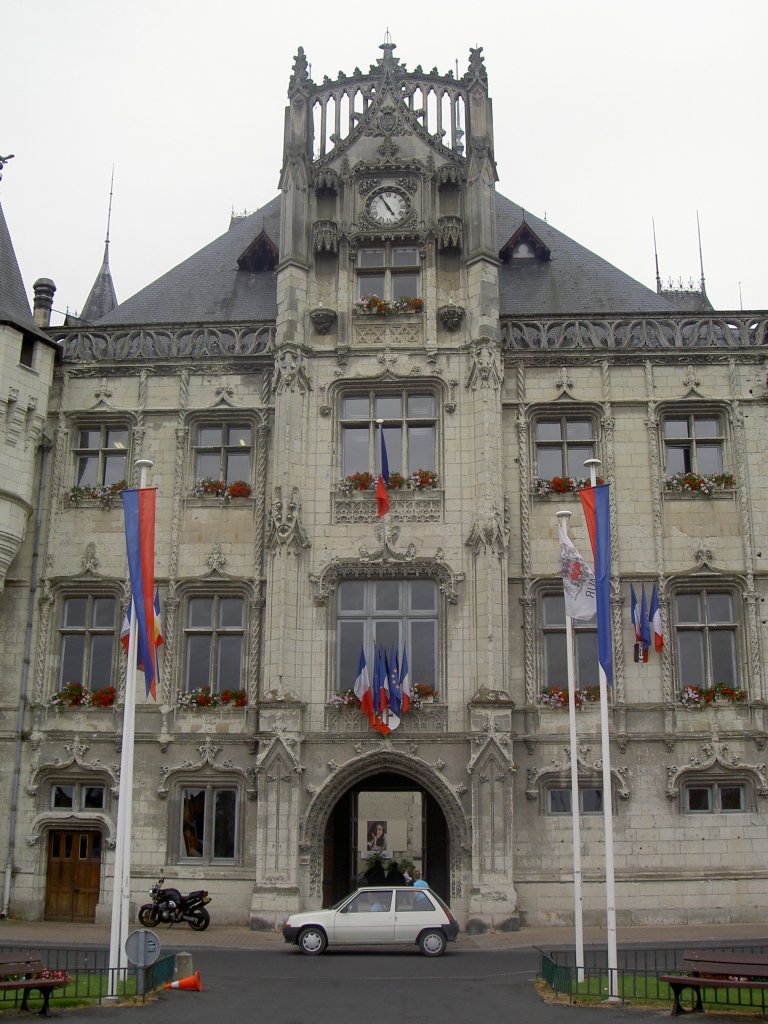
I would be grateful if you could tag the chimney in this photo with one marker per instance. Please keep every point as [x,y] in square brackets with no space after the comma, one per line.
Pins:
[45,289]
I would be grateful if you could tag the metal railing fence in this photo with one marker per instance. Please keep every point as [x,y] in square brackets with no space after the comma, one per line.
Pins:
[638,976]
[90,978]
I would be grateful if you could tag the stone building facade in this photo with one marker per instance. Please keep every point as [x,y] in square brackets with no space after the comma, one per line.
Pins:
[500,355]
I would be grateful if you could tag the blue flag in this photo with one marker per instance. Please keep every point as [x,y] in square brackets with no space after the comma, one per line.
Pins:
[395,693]
[645,625]
[376,681]
[594,501]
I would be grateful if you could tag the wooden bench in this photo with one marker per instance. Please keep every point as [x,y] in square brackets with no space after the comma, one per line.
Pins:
[28,963]
[713,968]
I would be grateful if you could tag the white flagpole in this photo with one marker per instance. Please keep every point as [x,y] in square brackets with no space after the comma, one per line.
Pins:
[610,882]
[578,901]
[121,891]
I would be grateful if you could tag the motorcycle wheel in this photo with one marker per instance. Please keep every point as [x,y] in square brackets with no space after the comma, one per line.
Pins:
[199,920]
[146,915]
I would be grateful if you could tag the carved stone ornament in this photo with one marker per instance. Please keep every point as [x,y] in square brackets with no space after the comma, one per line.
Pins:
[285,528]
[485,365]
[216,560]
[493,747]
[448,175]
[715,756]
[325,236]
[450,233]
[490,529]
[281,749]
[327,180]
[75,759]
[89,562]
[704,558]
[322,319]
[561,769]
[386,564]
[209,752]
[451,317]
[673,333]
[43,823]
[289,373]
[122,344]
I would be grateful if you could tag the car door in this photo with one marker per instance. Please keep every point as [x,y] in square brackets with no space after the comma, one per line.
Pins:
[367,918]
[414,911]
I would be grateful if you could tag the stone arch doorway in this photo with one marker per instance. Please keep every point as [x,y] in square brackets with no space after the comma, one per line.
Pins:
[333,825]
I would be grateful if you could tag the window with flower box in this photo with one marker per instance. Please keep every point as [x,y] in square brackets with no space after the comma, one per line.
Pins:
[101,455]
[390,614]
[214,635]
[87,641]
[555,669]
[389,271]
[222,451]
[562,445]
[410,431]
[208,823]
[693,443]
[706,638]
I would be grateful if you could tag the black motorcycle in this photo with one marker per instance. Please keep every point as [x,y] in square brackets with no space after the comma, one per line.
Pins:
[168,906]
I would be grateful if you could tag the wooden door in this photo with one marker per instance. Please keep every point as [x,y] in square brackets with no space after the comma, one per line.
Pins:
[74,874]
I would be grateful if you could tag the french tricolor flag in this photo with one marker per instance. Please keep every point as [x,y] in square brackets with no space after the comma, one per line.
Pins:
[405,683]
[655,616]
[363,687]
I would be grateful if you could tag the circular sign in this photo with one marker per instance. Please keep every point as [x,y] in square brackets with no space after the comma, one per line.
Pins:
[142,947]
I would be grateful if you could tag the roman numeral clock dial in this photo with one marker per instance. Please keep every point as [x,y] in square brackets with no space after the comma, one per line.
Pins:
[388,207]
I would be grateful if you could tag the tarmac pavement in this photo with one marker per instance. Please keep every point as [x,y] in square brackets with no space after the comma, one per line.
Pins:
[225,936]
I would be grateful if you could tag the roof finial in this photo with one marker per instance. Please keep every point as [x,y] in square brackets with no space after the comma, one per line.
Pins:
[387,46]
[109,211]
[656,257]
[701,255]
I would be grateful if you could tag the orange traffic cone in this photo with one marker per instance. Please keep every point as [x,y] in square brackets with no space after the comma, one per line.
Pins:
[191,984]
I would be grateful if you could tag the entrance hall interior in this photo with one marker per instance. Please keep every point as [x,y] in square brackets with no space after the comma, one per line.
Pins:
[382,818]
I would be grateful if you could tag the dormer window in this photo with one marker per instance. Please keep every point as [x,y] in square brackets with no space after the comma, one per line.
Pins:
[524,247]
[261,255]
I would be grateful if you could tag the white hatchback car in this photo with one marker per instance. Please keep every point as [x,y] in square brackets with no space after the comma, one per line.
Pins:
[376,916]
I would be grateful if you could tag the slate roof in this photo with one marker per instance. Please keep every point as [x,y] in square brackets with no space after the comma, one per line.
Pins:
[208,287]
[14,304]
[575,280]
[101,298]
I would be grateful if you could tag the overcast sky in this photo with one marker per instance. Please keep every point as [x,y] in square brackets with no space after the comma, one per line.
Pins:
[607,113]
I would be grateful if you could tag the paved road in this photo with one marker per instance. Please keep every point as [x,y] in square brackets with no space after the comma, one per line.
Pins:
[254,976]
[397,986]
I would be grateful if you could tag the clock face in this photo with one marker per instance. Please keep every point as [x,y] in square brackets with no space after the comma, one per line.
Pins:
[388,207]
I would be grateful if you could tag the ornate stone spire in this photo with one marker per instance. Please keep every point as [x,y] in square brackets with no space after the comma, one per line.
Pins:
[299,81]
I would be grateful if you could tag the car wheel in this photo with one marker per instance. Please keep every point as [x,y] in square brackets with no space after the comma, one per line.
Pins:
[432,943]
[312,941]
[199,919]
